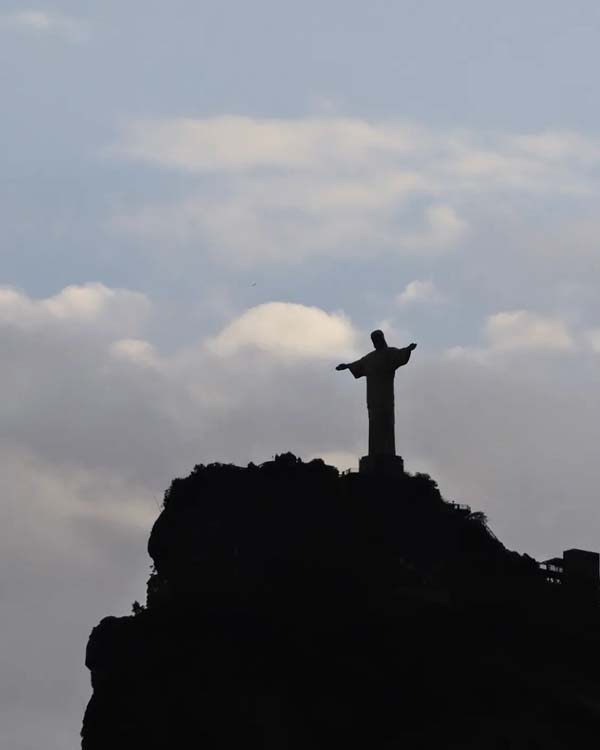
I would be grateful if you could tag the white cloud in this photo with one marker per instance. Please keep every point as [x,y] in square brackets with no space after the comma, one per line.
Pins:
[420,292]
[522,329]
[517,331]
[291,219]
[137,351]
[234,143]
[237,143]
[87,305]
[48,23]
[60,498]
[288,330]
[82,386]
[287,190]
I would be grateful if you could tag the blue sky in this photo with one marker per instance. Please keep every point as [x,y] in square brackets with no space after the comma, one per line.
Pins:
[206,206]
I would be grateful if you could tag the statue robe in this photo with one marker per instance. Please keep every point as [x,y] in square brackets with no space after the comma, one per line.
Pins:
[379,367]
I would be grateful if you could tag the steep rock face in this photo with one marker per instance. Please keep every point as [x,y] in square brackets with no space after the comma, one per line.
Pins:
[295,608]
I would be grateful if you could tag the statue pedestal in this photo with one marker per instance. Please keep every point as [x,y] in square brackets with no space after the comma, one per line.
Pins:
[382,465]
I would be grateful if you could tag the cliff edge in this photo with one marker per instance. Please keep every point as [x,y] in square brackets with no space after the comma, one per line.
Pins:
[294,607]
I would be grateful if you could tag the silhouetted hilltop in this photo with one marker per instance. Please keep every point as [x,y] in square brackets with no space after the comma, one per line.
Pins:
[294,607]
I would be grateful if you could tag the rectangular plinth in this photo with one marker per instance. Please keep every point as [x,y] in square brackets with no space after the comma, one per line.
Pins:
[382,465]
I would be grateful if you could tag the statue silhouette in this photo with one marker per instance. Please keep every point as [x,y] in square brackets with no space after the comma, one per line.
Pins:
[379,367]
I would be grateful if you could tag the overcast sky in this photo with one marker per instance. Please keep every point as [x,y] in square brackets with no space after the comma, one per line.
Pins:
[205,206]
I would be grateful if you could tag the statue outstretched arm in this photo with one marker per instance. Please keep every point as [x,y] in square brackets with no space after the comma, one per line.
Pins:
[356,368]
[402,356]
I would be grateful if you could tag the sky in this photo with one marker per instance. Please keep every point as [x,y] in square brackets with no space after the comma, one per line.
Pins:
[206,206]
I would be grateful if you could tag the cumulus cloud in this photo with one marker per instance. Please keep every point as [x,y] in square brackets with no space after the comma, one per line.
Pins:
[84,386]
[47,23]
[419,292]
[518,331]
[288,330]
[237,143]
[522,329]
[89,304]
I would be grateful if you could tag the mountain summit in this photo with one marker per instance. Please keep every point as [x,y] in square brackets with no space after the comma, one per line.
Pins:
[292,607]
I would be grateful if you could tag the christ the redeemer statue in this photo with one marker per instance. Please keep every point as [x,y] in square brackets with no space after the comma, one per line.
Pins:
[379,367]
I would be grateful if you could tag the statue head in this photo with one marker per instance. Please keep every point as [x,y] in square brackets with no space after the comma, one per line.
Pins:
[378,340]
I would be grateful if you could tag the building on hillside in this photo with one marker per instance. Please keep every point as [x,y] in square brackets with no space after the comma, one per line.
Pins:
[577,568]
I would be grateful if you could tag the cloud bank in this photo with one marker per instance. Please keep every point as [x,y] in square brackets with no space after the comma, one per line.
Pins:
[96,419]
[265,190]
[88,394]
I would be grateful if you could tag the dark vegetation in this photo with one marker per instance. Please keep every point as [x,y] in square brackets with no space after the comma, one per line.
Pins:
[291,607]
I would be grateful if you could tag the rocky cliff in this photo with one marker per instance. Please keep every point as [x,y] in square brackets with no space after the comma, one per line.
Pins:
[292,607]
